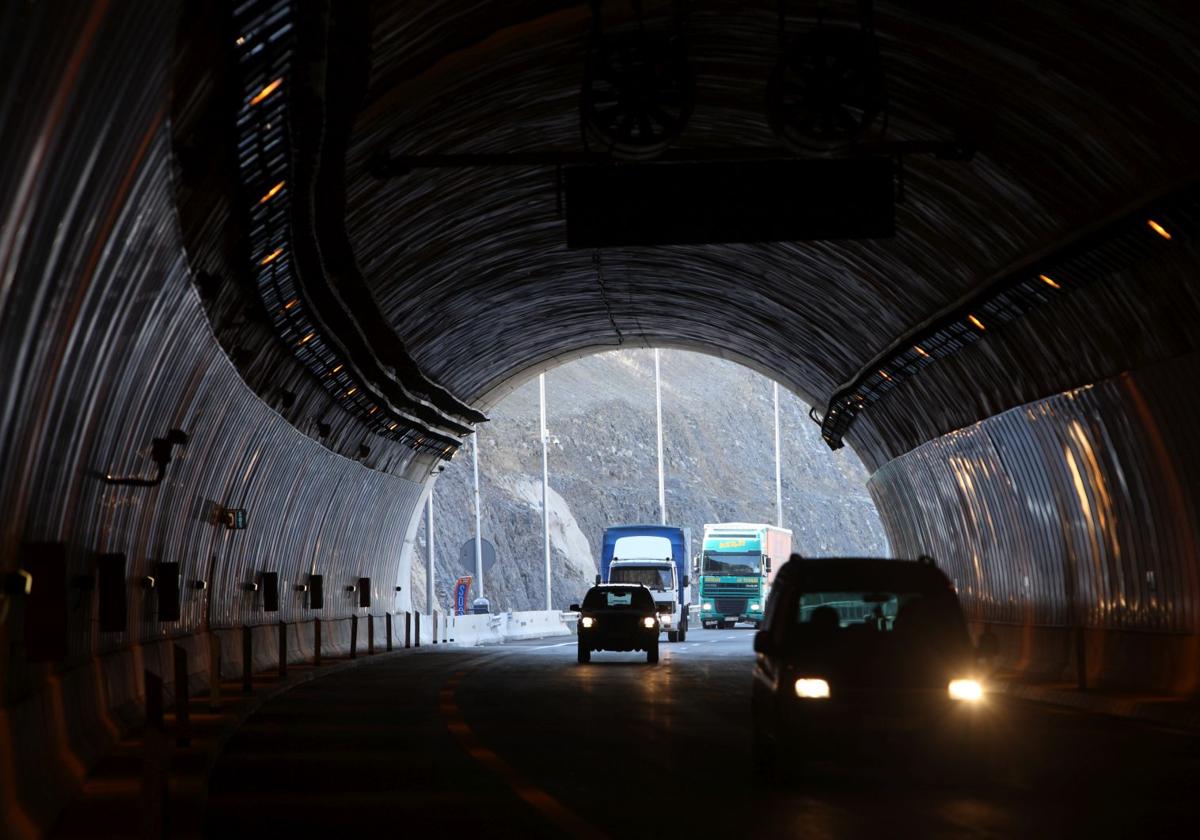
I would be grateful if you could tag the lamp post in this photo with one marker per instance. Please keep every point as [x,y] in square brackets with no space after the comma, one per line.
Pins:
[545,485]
[662,494]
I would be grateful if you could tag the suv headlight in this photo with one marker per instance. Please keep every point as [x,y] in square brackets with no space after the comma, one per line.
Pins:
[970,691]
[812,688]
[648,622]
[587,621]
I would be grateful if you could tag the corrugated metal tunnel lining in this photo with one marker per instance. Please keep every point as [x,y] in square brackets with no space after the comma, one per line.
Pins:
[1077,477]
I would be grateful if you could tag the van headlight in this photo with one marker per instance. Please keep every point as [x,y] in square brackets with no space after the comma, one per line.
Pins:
[587,621]
[969,691]
[648,623]
[812,688]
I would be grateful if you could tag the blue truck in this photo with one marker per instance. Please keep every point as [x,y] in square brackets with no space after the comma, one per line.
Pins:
[656,556]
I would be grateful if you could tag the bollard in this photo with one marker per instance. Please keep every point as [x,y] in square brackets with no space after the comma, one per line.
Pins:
[417,629]
[317,642]
[387,626]
[247,661]
[214,672]
[183,722]
[407,629]
[282,650]
[370,635]
[353,636]
[154,764]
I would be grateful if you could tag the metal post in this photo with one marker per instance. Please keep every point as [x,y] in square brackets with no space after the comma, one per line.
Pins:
[387,626]
[545,484]
[370,635]
[417,629]
[317,642]
[408,616]
[478,517]
[662,493]
[214,672]
[283,652]
[183,724]
[155,763]
[247,660]
[778,472]
[429,551]
[353,637]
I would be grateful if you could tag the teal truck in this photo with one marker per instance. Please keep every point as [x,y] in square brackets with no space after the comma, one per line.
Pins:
[735,569]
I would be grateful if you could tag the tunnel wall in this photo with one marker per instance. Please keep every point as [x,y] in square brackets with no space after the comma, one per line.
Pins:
[106,347]
[1071,527]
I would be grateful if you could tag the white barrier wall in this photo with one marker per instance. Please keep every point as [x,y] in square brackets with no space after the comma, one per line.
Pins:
[469,630]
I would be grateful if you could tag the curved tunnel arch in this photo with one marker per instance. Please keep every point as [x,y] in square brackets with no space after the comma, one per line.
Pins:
[1069,434]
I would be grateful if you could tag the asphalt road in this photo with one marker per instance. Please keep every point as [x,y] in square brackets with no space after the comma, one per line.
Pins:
[520,740]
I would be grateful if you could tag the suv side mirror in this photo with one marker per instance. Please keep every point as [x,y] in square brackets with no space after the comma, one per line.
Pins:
[763,642]
[597,580]
[573,608]
[686,581]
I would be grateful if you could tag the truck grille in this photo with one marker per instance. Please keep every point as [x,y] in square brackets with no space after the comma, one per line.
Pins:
[730,606]
[665,607]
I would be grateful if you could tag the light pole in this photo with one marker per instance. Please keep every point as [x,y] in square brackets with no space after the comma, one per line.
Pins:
[662,494]
[429,606]
[545,485]
[778,472]
[478,531]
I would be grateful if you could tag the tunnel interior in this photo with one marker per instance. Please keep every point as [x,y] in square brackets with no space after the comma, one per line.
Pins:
[261,271]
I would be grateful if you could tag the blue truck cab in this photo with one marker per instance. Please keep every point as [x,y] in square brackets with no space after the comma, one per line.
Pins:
[656,556]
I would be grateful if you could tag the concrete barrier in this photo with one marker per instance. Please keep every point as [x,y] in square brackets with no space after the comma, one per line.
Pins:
[471,630]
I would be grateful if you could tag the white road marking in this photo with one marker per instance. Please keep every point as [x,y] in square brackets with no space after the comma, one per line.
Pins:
[547,647]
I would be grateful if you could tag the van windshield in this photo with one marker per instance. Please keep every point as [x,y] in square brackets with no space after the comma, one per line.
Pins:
[648,576]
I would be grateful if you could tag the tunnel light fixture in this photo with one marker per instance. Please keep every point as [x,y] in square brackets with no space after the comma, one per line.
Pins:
[812,688]
[1159,229]
[271,193]
[291,304]
[271,257]
[1111,248]
[306,339]
[266,91]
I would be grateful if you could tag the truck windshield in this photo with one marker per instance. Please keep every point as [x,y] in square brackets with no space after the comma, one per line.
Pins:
[648,576]
[730,564]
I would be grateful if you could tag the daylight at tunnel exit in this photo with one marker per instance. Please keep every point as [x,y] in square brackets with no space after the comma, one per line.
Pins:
[622,418]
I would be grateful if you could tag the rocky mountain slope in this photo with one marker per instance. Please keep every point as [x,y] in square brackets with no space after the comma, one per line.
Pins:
[719,454]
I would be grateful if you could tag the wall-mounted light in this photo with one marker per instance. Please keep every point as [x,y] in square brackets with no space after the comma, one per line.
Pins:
[148,582]
[351,589]
[19,582]
[199,584]
[301,587]
[252,586]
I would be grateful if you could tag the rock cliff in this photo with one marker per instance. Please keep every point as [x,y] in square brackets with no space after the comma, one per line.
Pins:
[719,454]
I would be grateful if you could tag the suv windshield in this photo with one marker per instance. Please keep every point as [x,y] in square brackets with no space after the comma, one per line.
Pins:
[878,611]
[618,597]
[648,576]
[730,564]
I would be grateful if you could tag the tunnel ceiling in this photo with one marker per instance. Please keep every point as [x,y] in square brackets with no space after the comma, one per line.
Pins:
[1075,116]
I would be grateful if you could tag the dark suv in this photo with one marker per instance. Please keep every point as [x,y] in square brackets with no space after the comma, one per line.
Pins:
[855,652]
[618,617]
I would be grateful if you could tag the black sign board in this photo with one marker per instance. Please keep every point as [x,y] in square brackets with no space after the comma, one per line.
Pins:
[112,593]
[784,200]
[46,603]
[270,591]
[316,592]
[166,584]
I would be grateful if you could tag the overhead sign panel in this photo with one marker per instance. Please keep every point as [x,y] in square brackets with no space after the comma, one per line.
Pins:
[729,201]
